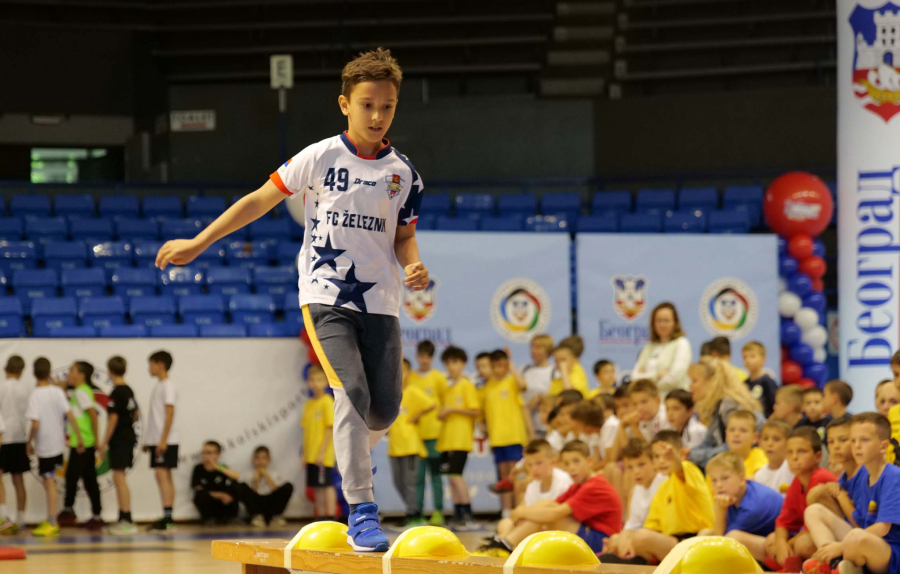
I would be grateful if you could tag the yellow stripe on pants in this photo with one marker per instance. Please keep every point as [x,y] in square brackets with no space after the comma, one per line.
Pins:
[333,379]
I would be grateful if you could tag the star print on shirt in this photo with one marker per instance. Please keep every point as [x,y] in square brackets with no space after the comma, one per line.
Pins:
[351,289]
[315,280]
[315,224]
[412,217]
[313,238]
[327,255]
[317,204]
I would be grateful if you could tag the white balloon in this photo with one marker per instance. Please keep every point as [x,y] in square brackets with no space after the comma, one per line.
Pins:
[788,304]
[782,285]
[820,355]
[815,337]
[806,318]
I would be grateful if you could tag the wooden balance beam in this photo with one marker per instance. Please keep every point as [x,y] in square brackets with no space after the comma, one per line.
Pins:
[267,557]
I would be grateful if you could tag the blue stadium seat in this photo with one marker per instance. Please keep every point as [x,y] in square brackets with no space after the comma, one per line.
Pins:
[729,221]
[563,203]
[223,331]
[33,204]
[29,284]
[45,229]
[132,229]
[179,229]
[435,204]
[274,330]
[655,200]
[76,332]
[205,206]
[685,222]
[214,256]
[11,229]
[247,254]
[11,324]
[521,204]
[53,313]
[747,197]
[202,309]
[618,201]
[177,331]
[293,314]
[287,251]
[83,282]
[74,205]
[425,222]
[548,223]
[163,207]
[16,255]
[640,223]
[130,282]
[228,280]
[180,281]
[275,281]
[270,229]
[101,311]
[124,332]
[61,255]
[297,230]
[145,253]
[117,206]
[111,255]
[152,311]
[698,197]
[251,309]
[447,223]
[3,205]
[608,223]
[98,230]
[474,204]
[502,223]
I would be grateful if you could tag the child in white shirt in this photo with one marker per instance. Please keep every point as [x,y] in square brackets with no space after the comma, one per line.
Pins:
[777,474]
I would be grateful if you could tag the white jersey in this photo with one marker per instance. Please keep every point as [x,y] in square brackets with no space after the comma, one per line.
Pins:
[48,405]
[163,394]
[14,395]
[778,479]
[559,484]
[641,497]
[353,205]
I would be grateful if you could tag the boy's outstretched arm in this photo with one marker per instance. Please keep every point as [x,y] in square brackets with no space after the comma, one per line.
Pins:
[248,209]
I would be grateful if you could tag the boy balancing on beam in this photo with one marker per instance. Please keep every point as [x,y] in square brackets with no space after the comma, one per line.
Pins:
[361,199]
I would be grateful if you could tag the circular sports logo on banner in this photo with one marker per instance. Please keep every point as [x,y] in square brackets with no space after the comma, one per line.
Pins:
[520,309]
[728,307]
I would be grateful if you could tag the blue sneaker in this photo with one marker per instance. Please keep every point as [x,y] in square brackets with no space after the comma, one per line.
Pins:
[365,533]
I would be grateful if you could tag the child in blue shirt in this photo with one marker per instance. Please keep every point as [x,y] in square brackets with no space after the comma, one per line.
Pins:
[743,510]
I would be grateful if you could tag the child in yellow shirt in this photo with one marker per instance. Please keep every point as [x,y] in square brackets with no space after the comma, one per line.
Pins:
[508,424]
[433,383]
[318,447]
[569,372]
[458,414]
[405,447]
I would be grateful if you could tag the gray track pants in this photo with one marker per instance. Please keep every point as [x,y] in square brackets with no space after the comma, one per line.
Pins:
[403,471]
[361,354]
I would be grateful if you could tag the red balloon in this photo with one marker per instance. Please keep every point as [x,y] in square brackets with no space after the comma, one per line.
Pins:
[806,383]
[790,372]
[813,266]
[800,246]
[798,202]
[818,285]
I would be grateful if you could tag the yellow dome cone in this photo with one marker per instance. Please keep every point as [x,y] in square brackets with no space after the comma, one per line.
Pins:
[702,555]
[554,548]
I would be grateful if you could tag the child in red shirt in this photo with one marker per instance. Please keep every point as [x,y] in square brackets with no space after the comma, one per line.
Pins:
[790,544]
[590,508]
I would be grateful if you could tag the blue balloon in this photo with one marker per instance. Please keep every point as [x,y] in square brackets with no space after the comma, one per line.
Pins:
[787,266]
[815,301]
[782,246]
[818,372]
[803,354]
[818,248]
[800,284]
[790,333]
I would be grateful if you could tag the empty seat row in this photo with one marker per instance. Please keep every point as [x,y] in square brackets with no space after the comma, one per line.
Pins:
[232,330]
[41,205]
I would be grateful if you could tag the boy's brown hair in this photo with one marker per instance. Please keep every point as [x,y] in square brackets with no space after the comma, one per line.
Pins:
[545,341]
[15,365]
[636,448]
[810,391]
[116,366]
[573,343]
[605,401]
[371,66]
[576,446]
[840,388]
[643,386]
[539,445]
[669,436]
[742,414]
[843,421]
[41,369]
[682,396]
[881,422]
[754,346]
[778,425]
[791,394]
[588,413]
[810,435]
[895,359]
[729,460]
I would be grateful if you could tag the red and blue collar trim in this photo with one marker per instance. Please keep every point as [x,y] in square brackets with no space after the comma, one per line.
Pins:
[382,153]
